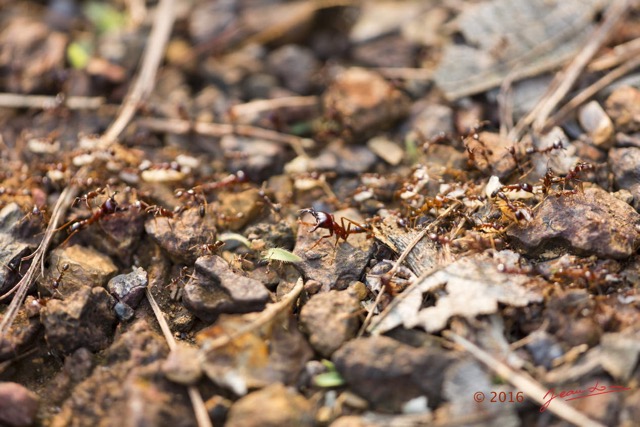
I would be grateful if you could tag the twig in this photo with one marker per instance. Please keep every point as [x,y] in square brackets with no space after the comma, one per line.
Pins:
[260,105]
[618,54]
[532,388]
[202,416]
[16,100]
[591,90]
[182,127]
[146,79]
[565,80]
[262,319]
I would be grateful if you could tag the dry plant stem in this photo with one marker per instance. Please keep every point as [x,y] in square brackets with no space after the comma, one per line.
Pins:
[404,73]
[591,90]
[262,319]
[145,81]
[533,389]
[182,127]
[255,107]
[564,80]
[619,54]
[202,416]
[64,201]
[43,102]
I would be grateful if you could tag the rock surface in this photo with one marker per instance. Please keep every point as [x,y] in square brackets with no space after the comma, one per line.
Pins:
[18,405]
[388,373]
[624,166]
[87,268]
[86,319]
[623,106]
[330,319]
[129,288]
[589,223]
[273,406]
[215,289]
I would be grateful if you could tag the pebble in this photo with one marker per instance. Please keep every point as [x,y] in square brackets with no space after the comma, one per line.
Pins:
[18,405]
[490,153]
[388,373]
[215,288]
[84,319]
[623,106]
[386,149]
[129,288]
[430,120]
[597,124]
[589,223]
[180,236]
[87,268]
[330,319]
[273,406]
[296,67]
[364,101]
[623,163]
[239,209]
[183,365]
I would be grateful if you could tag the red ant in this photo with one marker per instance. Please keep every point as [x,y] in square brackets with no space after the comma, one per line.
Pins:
[108,207]
[557,145]
[208,248]
[518,211]
[155,210]
[61,272]
[89,196]
[327,221]
[515,187]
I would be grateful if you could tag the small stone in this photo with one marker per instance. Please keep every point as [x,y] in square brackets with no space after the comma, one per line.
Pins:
[273,406]
[388,373]
[129,288]
[597,124]
[623,163]
[623,106]
[295,66]
[215,289]
[84,319]
[352,159]
[183,365]
[18,405]
[387,150]
[181,235]
[428,120]
[11,253]
[123,311]
[312,287]
[239,209]
[87,267]
[390,51]
[589,223]
[364,101]
[330,319]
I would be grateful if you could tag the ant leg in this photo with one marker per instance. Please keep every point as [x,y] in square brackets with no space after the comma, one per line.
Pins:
[319,240]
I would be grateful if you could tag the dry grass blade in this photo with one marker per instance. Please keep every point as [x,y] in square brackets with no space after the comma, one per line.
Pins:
[592,89]
[523,382]
[15,100]
[565,79]
[202,416]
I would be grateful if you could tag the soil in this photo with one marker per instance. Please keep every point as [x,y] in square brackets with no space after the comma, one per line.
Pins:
[323,213]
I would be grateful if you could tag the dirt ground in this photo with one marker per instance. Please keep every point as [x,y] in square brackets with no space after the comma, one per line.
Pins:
[319,213]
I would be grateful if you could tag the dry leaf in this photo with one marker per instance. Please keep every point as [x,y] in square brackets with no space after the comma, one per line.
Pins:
[470,286]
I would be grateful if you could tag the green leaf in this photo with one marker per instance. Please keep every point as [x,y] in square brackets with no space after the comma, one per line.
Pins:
[328,379]
[78,55]
[411,148]
[282,255]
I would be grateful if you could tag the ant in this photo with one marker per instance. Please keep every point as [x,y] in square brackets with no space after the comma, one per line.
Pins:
[557,145]
[327,221]
[208,248]
[573,174]
[89,196]
[61,272]
[515,210]
[275,207]
[108,207]
[515,187]
[155,210]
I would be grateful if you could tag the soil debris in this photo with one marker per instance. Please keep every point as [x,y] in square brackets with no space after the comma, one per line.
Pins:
[18,405]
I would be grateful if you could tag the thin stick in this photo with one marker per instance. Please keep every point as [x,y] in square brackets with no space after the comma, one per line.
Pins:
[591,90]
[260,105]
[619,54]
[202,416]
[145,81]
[532,388]
[183,127]
[15,100]
[565,80]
